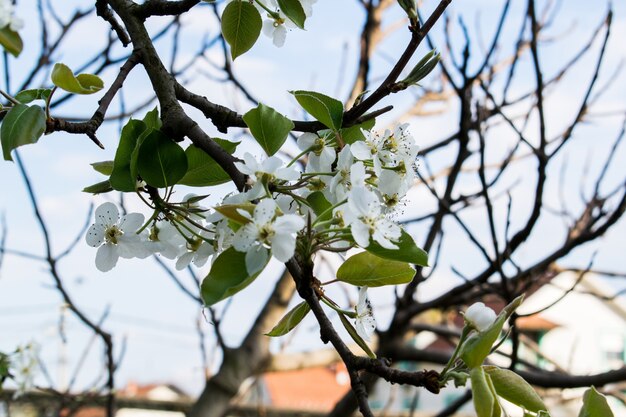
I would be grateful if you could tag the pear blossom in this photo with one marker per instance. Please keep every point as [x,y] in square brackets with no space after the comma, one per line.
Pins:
[23,365]
[276,30]
[365,322]
[116,237]
[366,219]
[264,232]
[198,252]
[340,184]
[479,316]
[323,152]
[166,240]
[7,16]
[268,171]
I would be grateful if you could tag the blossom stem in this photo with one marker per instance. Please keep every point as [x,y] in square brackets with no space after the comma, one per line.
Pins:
[150,220]
[466,331]
[334,306]
[301,154]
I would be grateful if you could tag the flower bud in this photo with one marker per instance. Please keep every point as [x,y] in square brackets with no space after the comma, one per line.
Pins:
[479,316]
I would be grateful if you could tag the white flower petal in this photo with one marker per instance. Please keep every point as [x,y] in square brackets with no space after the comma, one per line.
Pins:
[245,237]
[184,261]
[106,257]
[107,214]
[95,235]
[289,223]
[264,211]
[131,222]
[287,174]
[256,258]
[306,140]
[480,316]
[361,150]
[283,247]
[280,35]
[360,233]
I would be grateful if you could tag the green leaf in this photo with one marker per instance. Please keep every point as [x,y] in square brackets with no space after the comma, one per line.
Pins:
[11,41]
[514,389]
[407,251]
[241,26]
[122,176]
[365,269]
[99,188]
[355,336]
[327,110]
[104,167]
[294,11]
[22,125]
[595,405]
[26,96]
[269,128]
[231,211]
[161,162]
[478,346]
[202,170]
[227,277]
[64,78]
[290,320]
[152,120]
[320,205]
[353,133]
[484,399]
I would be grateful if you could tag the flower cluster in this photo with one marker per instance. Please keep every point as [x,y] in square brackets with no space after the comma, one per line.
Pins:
[7,16]
[347,195]
[23,366]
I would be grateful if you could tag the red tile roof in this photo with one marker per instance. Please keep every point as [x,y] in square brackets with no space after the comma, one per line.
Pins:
[307,389]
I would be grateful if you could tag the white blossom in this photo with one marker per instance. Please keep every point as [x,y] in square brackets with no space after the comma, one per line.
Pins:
[263,232]
[479,316]
[116,237]
[166,240]
[276,30]
[323,152]
[198,251]
[7,16]
[365,322]
[340,183]
[23,367]
[366,219]
[268,171]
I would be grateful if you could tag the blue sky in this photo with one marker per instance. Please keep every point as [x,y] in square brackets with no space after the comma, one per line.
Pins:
[158,321]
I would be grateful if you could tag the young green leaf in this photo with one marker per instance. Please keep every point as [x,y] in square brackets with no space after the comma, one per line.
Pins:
[269,128]
[64,78]
[484,400]
[122,177]
[514,389]
[227,277]
[294,11]
[22,125]
[355,336]
[161,162]
[152,120]
[595,405]
[365,269]
[353,133]
[407,251]
[327,110]
[26,96]
[202,170]
[99,188]
[290,320]
[241,26]
[11,41]
[104,167]
[231,211]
